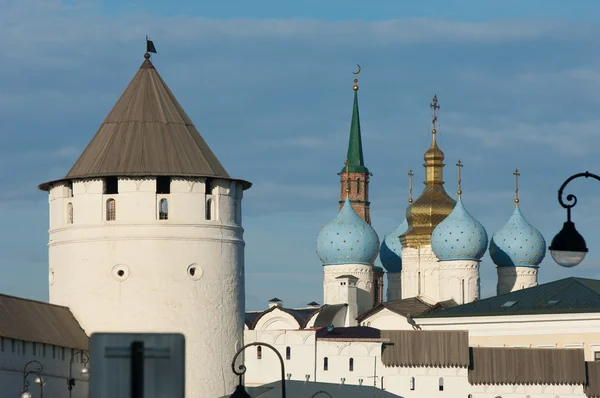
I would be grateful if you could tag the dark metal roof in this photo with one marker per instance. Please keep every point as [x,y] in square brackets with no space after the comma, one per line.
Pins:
[353,332]
[412,306]
[417,348]
[36,321]
[301,315]
[526,366]
[147,133]
[592,387]
[327,314]
[570,295]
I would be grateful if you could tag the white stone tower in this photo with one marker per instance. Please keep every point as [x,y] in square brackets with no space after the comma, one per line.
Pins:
[146,234]
[517,249]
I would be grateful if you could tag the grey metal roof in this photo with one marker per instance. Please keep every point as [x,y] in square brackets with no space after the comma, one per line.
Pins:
[407,306]
[147,133]
[327,314]
[301,389]
[512,366]
[569,295]
[352,332]
[29,320]
[301,315]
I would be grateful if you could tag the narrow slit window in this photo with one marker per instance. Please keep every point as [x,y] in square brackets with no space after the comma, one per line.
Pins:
[351,364]
[325,364]
[70,213]
[358,185]
[111,210]
[462,292]
[441,384]
[209,209]
[288,353]
[412,383]
[419,282]
[259,352]
[163,209]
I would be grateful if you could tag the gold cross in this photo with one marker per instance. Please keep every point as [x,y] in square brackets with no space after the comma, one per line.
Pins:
[517,174]
[459,165]
[410,176]
[434,108]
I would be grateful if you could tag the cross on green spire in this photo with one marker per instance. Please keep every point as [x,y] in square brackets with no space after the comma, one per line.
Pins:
[355,158]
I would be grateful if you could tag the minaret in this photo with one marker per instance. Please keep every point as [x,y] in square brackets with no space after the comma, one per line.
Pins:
[356,178]
[459,242]
[146,234]
[517,249]
[420,268]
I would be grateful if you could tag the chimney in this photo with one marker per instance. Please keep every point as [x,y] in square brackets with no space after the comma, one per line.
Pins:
[275,302]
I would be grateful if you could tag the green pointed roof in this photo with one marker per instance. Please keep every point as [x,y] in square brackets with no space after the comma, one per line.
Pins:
[356,162]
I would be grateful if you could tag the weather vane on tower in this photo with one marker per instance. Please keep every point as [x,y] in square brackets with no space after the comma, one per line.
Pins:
[434,108]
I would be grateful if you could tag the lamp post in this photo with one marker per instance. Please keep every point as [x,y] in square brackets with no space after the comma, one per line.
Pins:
[568,247]
[240,391]
[36,368]
[85,370]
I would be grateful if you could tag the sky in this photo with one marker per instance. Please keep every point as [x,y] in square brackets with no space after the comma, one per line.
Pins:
[269,86]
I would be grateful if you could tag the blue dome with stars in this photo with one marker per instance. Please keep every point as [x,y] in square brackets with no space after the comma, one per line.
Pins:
[390,253]
[517,244]
[459,236]
[347,239]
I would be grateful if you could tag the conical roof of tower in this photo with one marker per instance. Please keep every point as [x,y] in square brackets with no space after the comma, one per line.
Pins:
[147,133]
[356,162]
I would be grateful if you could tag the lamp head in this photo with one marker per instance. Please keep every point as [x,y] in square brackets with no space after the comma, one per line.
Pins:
[240,392]
[25,394]
[85,370]
[568,247]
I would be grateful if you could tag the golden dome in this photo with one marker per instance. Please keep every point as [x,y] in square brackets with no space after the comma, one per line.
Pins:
[434,204]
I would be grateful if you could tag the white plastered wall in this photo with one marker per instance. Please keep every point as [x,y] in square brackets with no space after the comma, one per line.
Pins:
[420,273]
[394,286]
[364,285]
[511,279]
[141,274]
[459,280]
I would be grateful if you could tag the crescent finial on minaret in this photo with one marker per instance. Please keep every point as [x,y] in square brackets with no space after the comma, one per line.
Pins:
[355,87]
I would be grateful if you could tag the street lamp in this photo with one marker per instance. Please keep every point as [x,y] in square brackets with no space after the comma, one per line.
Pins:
[84,371]
[36,368]
[240,391]
[568,247]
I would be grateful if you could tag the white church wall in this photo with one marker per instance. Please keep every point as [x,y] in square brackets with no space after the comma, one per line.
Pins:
[420,273]
[364,294]
[266,367]
[511,279]
[142,274]
[387,320]
[531,391]
[365,355]
[277,320]
[417,382]
[55,361]
[459,280]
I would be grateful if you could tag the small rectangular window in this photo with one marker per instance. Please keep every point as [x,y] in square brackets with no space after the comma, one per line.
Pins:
[43,350]
[62,353]
[34,349]
[111,186]
[509,304]
[325,364]
[163,185]
[288,353]
[597,356]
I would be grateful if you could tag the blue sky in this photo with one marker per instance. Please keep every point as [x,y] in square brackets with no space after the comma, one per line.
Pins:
[269,87]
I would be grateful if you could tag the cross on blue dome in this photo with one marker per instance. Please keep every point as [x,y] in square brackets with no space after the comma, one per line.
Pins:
[347,239]
[390,253]
[517,243]
[459,236]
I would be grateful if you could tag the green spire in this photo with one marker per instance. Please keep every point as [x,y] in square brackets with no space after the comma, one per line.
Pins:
[355,158]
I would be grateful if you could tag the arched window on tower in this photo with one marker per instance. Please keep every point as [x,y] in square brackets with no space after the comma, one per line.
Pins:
[70,213]
[259,352]
[163,209]
[419,282]
[462,292]
[208,209]
[351,364]
[111,210]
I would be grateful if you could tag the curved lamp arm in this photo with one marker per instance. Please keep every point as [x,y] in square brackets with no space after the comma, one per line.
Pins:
[242,368]
[321,392]
[570,197]
[36,368]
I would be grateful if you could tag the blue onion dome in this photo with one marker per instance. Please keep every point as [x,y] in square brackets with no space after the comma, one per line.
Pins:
[347,239]
[517,243]
[459,236]
[390,253]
